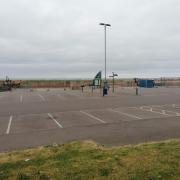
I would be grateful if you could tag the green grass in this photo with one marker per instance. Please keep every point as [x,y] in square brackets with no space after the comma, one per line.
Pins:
[88,160]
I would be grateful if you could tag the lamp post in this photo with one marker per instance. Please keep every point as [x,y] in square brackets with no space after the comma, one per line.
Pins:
[113,75]
[105,25]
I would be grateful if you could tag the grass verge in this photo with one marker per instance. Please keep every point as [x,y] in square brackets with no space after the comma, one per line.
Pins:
[88,160]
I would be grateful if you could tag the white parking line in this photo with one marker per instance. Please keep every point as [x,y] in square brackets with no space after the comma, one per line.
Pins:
[9,125]
[126,114]
[93,117]
[51,116]
[43,99]
[163,112]
[163,105]
[21,99]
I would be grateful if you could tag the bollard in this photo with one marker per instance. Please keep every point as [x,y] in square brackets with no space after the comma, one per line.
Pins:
[82,87]
[105,90]
[136,91]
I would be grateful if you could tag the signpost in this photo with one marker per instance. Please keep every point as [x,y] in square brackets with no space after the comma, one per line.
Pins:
[113,75]
[97,81]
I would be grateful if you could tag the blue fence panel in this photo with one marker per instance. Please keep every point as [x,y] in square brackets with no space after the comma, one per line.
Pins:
[147,83]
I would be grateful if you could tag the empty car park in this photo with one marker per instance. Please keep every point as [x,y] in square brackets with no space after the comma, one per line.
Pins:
[45,116]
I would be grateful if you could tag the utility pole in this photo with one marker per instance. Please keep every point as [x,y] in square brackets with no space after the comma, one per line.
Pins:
[105,25]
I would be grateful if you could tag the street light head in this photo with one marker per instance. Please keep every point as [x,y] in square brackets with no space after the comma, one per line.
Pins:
[101,24]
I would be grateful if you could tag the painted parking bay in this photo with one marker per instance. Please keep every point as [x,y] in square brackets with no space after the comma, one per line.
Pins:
[32,122]
[173,109]
[144,112]
[29,97]
[4,123]
[74,118]
[110,115]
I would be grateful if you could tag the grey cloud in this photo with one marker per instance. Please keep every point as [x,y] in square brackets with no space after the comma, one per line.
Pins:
[62,39]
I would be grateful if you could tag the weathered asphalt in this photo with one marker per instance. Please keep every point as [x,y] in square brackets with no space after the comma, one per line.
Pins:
[31,125]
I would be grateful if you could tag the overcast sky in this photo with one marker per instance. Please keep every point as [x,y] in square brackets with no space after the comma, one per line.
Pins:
[63,39]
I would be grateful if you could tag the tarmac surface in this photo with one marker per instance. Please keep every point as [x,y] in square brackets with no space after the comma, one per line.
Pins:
[34,117]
